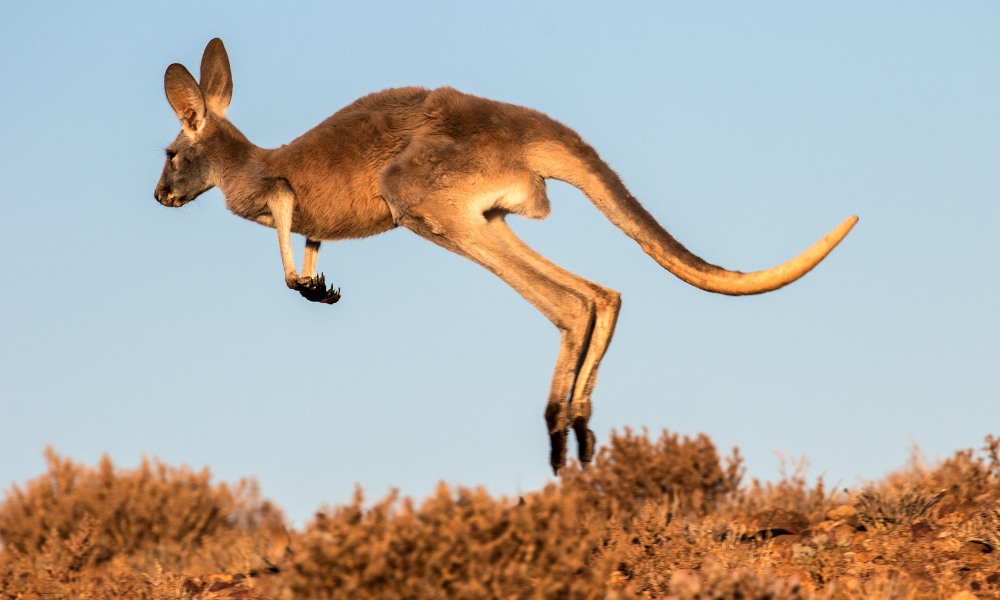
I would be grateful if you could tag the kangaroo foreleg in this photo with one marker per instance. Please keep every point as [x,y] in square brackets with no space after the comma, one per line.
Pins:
[309,261]
[312,287]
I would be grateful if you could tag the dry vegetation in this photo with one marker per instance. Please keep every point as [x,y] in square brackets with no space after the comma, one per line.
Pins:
[663,518]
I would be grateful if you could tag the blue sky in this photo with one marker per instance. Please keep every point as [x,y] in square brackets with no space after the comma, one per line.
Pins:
[748,129]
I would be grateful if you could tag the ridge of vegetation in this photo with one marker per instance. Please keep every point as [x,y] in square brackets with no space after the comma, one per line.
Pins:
[663,518]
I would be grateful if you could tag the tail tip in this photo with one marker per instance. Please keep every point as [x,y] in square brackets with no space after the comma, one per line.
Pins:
[847,225]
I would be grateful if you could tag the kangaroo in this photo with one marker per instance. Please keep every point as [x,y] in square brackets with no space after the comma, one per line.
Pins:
[449,167]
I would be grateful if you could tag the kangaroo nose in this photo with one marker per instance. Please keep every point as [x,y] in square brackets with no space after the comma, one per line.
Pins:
[163,197]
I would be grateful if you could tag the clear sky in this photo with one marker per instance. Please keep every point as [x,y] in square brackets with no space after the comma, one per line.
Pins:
[748,129]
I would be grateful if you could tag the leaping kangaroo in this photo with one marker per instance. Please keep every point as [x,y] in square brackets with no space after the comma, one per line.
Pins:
[449,167]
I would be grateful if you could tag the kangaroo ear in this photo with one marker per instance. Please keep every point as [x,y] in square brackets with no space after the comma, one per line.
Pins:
[216,77]
[185,98]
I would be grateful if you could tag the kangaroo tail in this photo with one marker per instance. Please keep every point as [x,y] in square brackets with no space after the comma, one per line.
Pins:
[573,161]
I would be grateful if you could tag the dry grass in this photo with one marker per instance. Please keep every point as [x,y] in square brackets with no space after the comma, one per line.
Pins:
[664,518]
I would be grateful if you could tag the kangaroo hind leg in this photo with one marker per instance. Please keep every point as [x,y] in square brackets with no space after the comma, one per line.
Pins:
[466,215]
[603,305]
[584,312]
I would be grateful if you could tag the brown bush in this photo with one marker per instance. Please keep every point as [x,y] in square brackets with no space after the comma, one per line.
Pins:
[649,519]
[792,492]
[75,520]
[682,472]
[891,507]
[458,543]
[968,476]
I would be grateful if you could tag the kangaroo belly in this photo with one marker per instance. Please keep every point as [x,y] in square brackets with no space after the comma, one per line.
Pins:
[337,217]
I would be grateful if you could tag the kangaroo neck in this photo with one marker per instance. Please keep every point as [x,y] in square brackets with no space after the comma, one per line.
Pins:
[239,170]
[239,166]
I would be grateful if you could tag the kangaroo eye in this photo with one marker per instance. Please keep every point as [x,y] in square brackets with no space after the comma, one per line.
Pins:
[171,154]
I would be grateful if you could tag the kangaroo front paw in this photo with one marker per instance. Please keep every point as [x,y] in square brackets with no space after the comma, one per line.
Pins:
[314,289]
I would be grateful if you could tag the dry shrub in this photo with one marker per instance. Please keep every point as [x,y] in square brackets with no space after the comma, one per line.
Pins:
[458,543]
[791,492]
[682,472]
[75,526]
[576,539]
[895,506]
[968,476]
[649,519]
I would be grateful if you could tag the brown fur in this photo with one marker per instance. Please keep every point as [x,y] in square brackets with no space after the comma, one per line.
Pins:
[450,167]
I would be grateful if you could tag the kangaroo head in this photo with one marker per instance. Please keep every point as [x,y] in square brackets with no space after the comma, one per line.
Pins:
[190,166]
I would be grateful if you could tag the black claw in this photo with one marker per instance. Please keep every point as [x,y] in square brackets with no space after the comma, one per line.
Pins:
[314,289]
